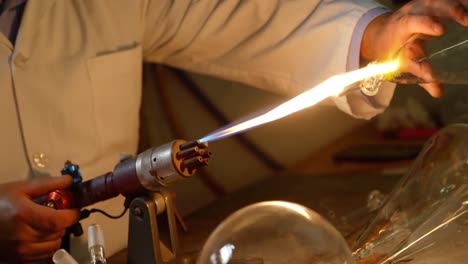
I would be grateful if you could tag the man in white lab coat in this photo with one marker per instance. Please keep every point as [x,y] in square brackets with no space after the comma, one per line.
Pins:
[70,81]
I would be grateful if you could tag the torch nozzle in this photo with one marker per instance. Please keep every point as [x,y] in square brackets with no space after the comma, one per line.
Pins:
[193,155]
[193,143]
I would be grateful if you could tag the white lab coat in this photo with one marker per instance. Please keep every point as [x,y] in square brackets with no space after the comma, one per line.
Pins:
[71,87]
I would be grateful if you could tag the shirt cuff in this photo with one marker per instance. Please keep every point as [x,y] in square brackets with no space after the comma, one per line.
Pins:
[353,62]
[355,45]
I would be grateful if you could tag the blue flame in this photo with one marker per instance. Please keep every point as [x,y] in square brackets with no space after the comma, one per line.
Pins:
[221,133]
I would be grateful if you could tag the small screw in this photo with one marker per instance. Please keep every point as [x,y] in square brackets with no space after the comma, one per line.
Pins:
[138,212]
[51,204]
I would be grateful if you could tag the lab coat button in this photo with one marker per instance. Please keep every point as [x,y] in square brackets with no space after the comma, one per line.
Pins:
[20,60]
[40,160]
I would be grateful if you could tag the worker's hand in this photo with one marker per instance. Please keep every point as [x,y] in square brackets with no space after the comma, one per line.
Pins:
[29,231]
[387,33]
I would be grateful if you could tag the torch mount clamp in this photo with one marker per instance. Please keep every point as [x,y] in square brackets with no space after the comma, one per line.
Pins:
[152,232]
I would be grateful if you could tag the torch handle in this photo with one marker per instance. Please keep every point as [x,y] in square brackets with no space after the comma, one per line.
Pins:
[123,180]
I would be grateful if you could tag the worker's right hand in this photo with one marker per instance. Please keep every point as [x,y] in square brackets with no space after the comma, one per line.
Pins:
[29,231]
[386,34]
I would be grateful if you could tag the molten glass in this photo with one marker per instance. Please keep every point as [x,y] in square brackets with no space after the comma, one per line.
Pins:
[443,61]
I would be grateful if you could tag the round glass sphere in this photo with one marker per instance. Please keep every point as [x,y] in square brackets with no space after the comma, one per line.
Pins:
[275,232]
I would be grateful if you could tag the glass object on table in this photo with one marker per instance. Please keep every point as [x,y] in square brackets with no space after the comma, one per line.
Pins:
[61,256]
[96,244]
[425,219]
[275,232]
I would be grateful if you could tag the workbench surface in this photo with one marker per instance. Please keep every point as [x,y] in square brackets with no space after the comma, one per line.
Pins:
[333,196]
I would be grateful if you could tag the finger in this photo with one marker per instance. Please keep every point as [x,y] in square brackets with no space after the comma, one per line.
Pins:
[413,51]
[416,24]
[422,70]
[445,9]
[452,9]
[459,13]
[434,89]
[47,219]
[27,233]
[38,187]
[38,251]
[410,62]
[41,257]
[49,236]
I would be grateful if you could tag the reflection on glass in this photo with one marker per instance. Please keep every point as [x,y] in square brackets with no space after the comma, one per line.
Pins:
[275,232]
[425,219]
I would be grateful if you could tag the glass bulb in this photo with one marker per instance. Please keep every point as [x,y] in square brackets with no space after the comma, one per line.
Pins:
[425,218]
[275,232]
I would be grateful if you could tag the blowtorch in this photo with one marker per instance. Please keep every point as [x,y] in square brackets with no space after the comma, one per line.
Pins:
[152,236]
[149,171]
[177,160]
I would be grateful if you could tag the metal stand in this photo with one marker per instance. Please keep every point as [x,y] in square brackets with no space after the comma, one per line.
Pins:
[152,236]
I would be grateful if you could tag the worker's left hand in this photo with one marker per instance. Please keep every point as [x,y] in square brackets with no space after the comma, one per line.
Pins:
[29,231]
[387,33]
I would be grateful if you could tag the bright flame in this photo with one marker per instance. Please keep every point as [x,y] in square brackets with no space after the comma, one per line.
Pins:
[333,86]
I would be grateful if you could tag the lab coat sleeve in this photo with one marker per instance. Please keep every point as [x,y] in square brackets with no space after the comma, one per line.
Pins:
[281,46]
[356,103]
